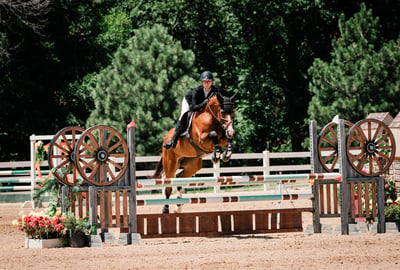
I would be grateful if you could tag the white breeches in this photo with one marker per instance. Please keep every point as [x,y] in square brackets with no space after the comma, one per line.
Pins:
[185,107]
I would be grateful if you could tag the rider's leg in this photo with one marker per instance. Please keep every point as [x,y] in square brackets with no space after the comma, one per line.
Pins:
[172,143]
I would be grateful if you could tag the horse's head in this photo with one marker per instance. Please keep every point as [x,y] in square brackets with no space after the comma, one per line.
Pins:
[226,113]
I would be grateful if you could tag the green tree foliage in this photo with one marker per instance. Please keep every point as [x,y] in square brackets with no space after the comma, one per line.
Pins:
[146,82]
[201,26]
[363,75]
[51,53]
[93,31]
[26,63]
[279,40]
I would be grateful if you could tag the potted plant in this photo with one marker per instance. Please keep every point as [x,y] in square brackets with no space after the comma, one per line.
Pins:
[77,230]
[41,230]
[392,210]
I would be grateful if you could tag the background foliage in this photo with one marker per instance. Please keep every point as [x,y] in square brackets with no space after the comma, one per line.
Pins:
[145,81]
[362,75]
[60,59]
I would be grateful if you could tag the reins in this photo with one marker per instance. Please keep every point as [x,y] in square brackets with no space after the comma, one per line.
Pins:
[219,114]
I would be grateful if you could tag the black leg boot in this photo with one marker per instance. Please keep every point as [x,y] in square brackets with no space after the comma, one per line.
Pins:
[174,140]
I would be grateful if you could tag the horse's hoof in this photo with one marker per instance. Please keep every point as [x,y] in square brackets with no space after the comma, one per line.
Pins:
[178,209]
[165,209]
[215,161]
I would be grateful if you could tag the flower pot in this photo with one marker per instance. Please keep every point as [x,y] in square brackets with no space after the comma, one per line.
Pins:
[43,243]
[78,239]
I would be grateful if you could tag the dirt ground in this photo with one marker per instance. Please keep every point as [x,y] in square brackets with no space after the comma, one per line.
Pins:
[261,251]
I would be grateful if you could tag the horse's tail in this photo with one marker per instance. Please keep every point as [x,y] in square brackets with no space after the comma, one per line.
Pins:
[159,169]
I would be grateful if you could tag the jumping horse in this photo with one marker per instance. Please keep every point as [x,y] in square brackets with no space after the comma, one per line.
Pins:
[210,130]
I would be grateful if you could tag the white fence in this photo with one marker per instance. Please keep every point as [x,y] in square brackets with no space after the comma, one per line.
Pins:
[21,176]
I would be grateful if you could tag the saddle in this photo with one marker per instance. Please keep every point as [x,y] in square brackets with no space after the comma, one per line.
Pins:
[186,124]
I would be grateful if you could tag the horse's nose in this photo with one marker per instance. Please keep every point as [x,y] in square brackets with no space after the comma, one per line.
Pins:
[229,132]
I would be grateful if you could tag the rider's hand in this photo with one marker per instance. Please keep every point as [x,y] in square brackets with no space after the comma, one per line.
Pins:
[204,103]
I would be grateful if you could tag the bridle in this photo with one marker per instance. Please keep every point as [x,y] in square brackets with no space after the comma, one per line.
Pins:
[220,119]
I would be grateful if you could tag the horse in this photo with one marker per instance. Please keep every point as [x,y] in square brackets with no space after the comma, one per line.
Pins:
[210,130]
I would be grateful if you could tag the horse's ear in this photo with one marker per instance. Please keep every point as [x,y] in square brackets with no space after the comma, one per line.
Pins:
[234,97]
[220,98]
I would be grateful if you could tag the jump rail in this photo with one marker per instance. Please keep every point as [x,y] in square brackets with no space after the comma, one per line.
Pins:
[237,180]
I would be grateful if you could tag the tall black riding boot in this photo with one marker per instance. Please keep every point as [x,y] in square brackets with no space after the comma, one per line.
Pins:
[172,143]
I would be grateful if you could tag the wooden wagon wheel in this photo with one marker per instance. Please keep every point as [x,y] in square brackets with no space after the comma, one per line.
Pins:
[370,147]
[328,145]
[62,155]
[101,155]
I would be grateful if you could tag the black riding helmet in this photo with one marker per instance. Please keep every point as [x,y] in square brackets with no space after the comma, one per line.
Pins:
[206,75]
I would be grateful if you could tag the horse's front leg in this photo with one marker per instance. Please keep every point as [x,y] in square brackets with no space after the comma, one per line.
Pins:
[226,155]
[217,151]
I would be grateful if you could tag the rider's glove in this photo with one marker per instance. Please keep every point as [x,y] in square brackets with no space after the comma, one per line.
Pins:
[204,103]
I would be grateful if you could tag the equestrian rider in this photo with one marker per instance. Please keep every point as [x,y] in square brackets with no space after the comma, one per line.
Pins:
[195,100]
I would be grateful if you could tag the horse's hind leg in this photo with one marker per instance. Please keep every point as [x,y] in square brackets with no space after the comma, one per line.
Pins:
[190,167]
[168,191]
[170,166]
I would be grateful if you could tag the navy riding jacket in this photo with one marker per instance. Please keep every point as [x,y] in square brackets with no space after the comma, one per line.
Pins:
[195,97]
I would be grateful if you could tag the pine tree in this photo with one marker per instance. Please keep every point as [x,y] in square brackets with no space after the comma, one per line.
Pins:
[363,75]
[146,82]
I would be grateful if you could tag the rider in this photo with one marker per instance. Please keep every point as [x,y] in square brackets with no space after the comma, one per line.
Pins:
[195,99]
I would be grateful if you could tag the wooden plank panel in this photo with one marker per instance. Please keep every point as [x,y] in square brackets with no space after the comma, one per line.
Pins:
[359,199]
[125,208]
[87,204]
[187,224]
[243,223]
[102,210]
[73,202]
[374,200]
[226,227]
[168,224]
[328,199]
[335,199]
[274,221]
[208,223]
[80,205]
[152,225]
[117,210]
[140,225]
[109,209]
[291,221]
[366,200]
[262,221]
[321,199]
[352,201]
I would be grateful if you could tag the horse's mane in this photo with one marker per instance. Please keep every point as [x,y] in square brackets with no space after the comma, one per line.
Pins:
[213,100]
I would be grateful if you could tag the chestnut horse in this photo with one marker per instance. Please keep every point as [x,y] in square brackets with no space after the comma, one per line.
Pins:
[211,129]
